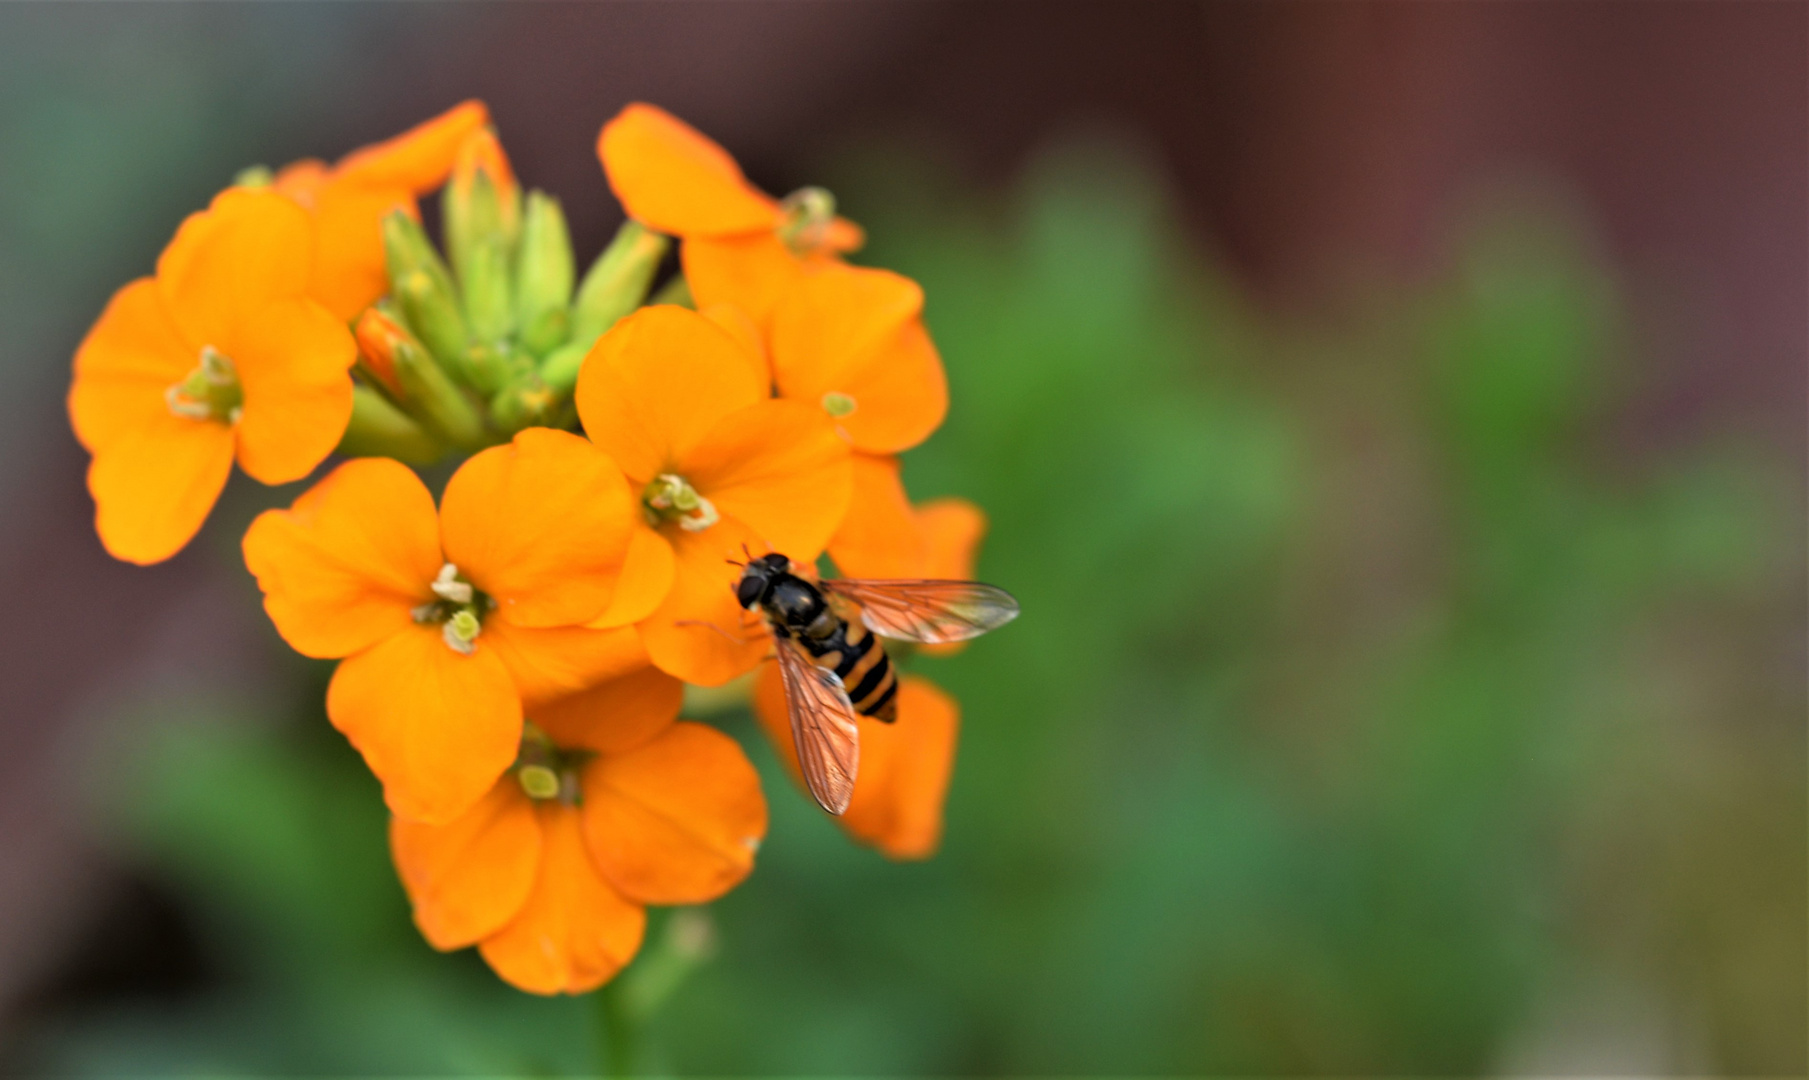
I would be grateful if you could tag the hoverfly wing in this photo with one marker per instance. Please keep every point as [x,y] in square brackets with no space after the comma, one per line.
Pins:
[824,727]
[928,612]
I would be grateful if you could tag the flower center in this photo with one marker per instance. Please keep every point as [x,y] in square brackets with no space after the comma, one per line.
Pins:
[459,611]
[805,216]
[838,404]
[670,497]
[546,772]
[210,392]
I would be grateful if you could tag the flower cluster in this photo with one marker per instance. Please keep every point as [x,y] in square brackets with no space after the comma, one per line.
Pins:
[513,657]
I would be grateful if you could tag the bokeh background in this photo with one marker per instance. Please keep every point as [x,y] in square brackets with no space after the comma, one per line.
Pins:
[1392,420]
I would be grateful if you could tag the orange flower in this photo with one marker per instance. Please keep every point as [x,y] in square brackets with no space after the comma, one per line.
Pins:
[741,246]
[884,536]
[611,805]
[450,623]
[904,771]
[720,470]
[219,355]
[850,340]
[349,200]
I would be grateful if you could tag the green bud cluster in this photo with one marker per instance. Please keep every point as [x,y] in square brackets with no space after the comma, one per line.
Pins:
[491,336]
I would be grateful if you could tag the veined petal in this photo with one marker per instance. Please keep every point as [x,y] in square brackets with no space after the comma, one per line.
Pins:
[575,932]
[420,158]
[468,878]
[657,382]
[154,485]
[677,820]
[673,179]
[879,536]
[437,727]
[541,525]
[905,769]
[132,354]
[750,272]
[647,572]
[250,247]
[615,716]
[553,662]
[699,634]
[294,361]
[856,332]
[342,568]
[779,468]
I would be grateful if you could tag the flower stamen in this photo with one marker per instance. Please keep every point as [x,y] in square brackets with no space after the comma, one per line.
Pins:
[805,217]
[210,392]
[838,404]
[459,611]
[671,497]
[545,771]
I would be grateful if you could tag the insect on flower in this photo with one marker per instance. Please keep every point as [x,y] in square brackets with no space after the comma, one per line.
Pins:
[832,668]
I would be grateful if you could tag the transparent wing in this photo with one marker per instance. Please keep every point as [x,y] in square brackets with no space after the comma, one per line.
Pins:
[927,612]
[824,727]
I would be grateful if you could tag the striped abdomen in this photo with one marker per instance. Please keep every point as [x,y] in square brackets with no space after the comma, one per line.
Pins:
[854,653]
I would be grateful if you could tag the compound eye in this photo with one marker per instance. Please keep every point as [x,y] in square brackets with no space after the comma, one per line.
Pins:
[747,593]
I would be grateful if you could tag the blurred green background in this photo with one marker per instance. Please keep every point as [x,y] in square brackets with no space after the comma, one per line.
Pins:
[1388,698]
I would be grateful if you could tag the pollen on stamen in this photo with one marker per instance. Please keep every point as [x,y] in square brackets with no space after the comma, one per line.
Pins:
[460,632]
[447,586]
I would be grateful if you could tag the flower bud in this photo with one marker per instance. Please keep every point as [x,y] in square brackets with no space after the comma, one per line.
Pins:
[481,209]
[379,429]
[421,386]
[543,276]
[423,287]
[522,404]
[617,282]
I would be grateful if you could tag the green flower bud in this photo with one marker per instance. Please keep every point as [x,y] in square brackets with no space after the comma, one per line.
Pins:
[380,429]
[523,404]
[426,391]
[617,282]
[423,288]
[676,290]
[543,275]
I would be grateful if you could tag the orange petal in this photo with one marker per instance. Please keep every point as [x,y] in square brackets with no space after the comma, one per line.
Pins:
[436,727]
[672,179]
[420,158]
[879,537]
[743,330]
[154,485]
[856,332]
[343,567]
[749,272]
[302,180]
[657,382]
[554,662]
[575,932]
[778,468]
[647,572]
[349,272]
[952,529]
[130,357]
[699,633]
[294,361]
[468,878]
[615,716]
[250,247]
[905,770]
[845,235]
[541,525]
[676,821]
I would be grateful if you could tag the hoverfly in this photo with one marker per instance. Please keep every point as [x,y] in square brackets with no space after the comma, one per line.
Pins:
[834,670]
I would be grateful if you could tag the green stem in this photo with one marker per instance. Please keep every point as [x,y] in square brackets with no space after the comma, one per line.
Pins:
[617,1030]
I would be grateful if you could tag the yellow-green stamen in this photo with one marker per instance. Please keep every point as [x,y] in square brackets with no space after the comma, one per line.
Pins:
[459,611]
[805,216]
[671,497]
[838,404]
[210,392]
